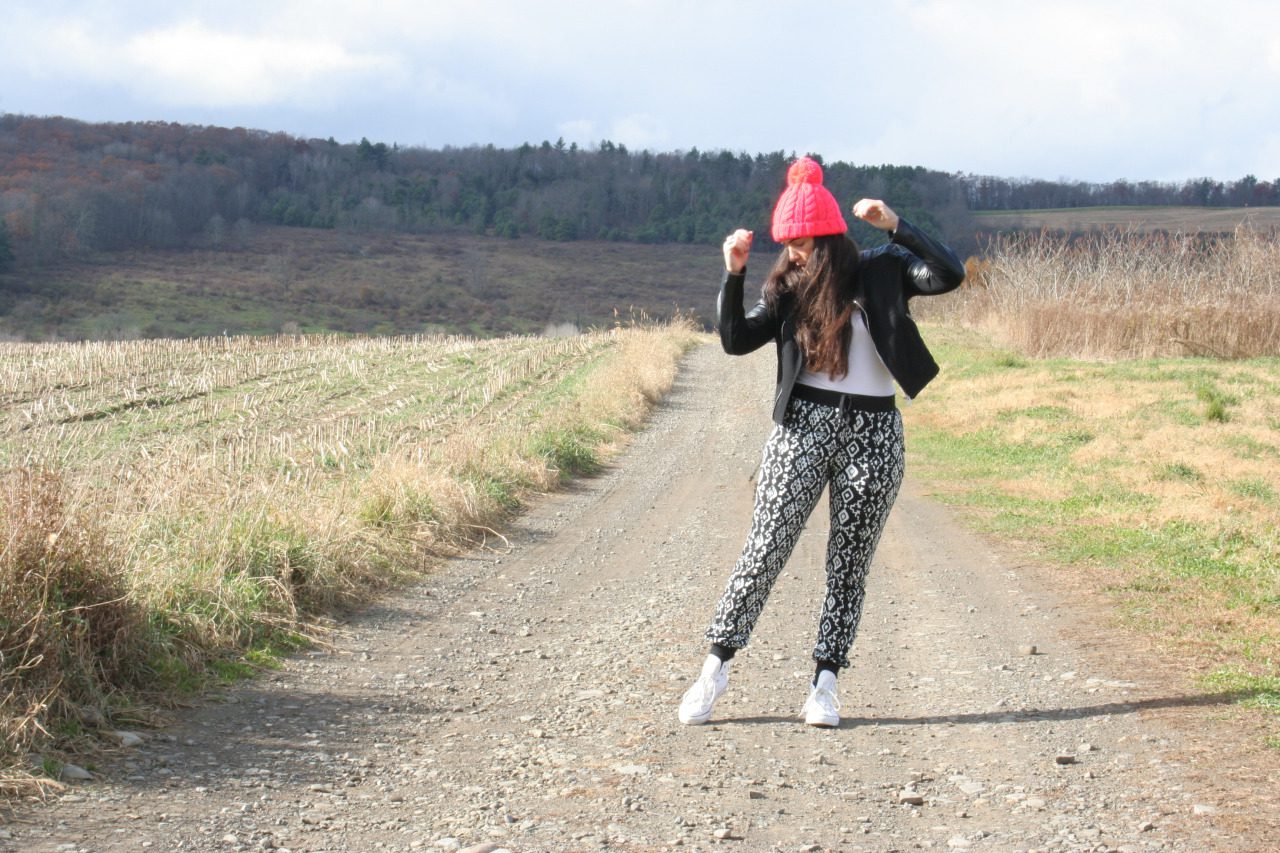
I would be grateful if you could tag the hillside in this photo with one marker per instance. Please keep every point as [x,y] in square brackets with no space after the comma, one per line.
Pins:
[69,189]
[158,229]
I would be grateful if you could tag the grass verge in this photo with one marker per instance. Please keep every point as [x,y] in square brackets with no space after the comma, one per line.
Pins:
[1153,479]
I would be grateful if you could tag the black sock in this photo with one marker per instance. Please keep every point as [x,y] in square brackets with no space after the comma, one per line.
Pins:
[725,653]
[833,668]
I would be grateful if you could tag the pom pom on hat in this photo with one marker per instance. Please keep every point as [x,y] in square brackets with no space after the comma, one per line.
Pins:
[806,208]
[804,171]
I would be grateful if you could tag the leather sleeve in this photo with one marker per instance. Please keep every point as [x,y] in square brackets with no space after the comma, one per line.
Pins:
[741,331]
[932,268]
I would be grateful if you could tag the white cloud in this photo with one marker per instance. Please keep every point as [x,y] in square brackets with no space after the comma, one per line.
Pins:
[191,63]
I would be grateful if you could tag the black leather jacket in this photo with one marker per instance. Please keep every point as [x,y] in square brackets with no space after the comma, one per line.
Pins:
[912,264]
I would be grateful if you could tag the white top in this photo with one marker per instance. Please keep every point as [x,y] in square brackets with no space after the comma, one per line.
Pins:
[867,374]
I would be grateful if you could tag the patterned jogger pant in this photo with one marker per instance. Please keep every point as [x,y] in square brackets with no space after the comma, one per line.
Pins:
[861,455]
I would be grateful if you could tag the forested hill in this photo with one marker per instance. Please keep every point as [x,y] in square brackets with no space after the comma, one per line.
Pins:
[68,188]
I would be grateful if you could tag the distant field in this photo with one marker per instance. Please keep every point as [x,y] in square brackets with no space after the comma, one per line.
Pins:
[1137,218]
[308,280]
[313,281]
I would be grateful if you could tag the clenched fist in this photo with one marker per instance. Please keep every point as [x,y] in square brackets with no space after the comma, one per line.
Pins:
[876,213]
[736,248]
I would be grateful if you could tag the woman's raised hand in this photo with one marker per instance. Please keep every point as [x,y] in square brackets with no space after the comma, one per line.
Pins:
[876,213]
[736,248]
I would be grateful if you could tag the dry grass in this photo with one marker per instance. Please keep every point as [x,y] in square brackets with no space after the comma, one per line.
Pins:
[69,634]
[1125,294]
[1182,219]
[170,504]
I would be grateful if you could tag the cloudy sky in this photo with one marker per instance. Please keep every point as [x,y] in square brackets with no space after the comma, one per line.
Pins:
[1080,89]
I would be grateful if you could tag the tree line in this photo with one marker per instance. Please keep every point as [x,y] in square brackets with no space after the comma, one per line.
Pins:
[68,188]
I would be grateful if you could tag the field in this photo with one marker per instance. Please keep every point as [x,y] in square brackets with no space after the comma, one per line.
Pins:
[1187,220]
[307,280]
[176,510]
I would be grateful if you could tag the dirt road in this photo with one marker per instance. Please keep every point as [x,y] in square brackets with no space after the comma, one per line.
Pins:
[525,698]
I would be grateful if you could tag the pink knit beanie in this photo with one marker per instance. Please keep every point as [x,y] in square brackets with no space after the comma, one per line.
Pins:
[806,208]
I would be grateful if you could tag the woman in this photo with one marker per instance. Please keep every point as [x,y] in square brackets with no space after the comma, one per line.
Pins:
[844,337]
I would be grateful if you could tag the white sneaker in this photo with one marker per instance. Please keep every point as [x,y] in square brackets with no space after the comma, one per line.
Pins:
[695,707]
[822,708]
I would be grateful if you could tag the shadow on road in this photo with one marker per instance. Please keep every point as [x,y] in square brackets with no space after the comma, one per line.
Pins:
[1029,715]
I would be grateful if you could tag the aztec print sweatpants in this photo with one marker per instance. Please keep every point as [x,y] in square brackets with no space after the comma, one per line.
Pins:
[860,454]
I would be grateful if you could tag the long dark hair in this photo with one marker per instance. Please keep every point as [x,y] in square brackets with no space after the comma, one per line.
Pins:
[824,290]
